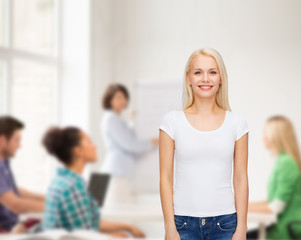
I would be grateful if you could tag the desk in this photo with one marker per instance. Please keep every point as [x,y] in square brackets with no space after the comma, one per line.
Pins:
[262,219]
[153,213]
[148,212]
[129,212]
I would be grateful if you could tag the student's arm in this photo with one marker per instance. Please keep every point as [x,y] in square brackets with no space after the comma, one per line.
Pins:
[166,158]
[260,207]
[241,185]
[109,227]
[27,194]
[20,205]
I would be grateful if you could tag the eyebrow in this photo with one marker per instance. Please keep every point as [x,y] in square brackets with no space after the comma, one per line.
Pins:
[202,69]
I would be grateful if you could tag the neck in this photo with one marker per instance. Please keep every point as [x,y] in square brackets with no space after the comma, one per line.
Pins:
[275,152]
[77,166]
[118,112]
[204,106]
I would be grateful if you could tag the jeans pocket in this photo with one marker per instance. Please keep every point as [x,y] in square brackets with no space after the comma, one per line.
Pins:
[180,221]
[228,224]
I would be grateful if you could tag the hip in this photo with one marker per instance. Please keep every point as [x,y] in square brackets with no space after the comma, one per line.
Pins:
[214,227]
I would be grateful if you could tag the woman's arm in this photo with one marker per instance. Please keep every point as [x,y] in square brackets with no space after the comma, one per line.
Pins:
[166,157]
[240,182]
[126,138]
[116,228]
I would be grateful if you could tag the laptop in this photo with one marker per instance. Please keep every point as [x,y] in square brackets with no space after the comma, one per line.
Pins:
[98,186]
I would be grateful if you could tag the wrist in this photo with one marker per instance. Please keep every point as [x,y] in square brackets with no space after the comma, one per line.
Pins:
[242,227]
[170,226]
[128,227]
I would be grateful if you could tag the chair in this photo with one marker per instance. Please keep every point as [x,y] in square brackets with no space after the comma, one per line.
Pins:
[291,231]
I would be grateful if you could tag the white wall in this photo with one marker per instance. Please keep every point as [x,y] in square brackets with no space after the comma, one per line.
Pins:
[259,40]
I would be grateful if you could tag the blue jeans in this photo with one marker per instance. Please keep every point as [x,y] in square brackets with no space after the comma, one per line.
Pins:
[220,227]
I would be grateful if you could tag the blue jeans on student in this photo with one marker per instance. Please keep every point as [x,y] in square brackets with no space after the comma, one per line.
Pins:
[221,227]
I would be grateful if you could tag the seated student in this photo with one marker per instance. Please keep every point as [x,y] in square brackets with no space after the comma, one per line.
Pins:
[68,203]
[13,199]
[284,185]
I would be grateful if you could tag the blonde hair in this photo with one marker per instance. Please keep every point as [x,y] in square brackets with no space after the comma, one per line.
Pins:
[222,93]
[281,135]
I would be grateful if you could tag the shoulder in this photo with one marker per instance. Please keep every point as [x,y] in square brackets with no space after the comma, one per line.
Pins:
[237,120]
[287,165]
[285,160]
[2,168]
[64,185]
[236,116]
[110,118]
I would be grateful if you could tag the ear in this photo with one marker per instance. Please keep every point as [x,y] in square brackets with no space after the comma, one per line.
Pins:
[188,78]
[76,151]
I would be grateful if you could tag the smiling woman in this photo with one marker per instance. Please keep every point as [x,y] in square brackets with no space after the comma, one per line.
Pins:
[204,138]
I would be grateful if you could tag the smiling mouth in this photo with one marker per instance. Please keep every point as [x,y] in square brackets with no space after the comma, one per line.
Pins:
[205,87]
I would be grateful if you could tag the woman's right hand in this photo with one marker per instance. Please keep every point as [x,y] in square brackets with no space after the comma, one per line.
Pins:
[172,234]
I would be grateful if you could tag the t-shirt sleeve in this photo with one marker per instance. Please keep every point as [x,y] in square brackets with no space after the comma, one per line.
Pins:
[242,127]
[287,178]
[4,187]
[166,125]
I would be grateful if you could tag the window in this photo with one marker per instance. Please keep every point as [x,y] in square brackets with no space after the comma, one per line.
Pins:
[2,18]
[33,26]
[29,70]
[33,95]
[2,88]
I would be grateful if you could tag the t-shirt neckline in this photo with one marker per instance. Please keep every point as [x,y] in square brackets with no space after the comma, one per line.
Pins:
[199,131]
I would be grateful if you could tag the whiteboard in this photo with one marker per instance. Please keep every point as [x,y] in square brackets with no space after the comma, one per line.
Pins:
[153,100]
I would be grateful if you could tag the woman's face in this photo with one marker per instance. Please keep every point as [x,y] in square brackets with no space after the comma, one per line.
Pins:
[119,101]
[86,149]
[204,76]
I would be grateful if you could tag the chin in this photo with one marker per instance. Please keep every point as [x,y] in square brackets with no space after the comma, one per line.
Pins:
[206,96]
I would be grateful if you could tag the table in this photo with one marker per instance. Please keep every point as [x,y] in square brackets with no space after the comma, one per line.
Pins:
[262,219]
[153,212]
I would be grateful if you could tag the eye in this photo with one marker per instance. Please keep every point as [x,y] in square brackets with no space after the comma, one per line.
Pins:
[197,73]
[213,72]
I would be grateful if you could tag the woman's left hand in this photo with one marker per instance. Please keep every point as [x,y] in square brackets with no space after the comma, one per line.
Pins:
[240,234]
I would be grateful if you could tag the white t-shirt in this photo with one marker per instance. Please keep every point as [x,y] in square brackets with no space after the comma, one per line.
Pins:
[203,164]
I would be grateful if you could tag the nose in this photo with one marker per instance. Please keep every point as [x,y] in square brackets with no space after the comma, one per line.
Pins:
[205,77]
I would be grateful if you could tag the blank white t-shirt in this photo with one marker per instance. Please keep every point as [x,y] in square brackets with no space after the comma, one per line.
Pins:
[203,164]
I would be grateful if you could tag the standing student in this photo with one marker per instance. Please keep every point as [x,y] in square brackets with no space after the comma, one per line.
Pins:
[284,184]
[122,145]
[14,200]
[69,205]
[204,138]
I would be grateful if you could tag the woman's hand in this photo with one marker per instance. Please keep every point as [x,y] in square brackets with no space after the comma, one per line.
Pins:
[240,234]
[172,234]
[136,232]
